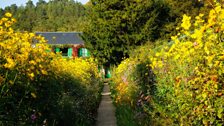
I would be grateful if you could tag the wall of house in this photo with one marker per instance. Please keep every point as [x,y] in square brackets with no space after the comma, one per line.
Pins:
[75,51]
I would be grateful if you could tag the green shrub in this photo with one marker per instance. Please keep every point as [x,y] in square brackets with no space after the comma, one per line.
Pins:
[179,83]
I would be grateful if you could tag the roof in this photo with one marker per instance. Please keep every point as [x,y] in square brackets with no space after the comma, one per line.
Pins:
[62,37]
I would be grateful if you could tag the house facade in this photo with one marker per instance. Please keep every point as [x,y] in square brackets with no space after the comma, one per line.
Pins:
[70,44]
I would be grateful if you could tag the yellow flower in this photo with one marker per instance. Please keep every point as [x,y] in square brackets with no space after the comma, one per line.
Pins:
[44,72]
[186,24]
[8,14]
[10,63]
[13,20]
[5,19]
[218,9]
[173,38]
[11,82]
[197,33]
[8,24]
[40,66]
[221,57]
[201,15]
[31,75]
[33,95]
[32,62]
[157,54]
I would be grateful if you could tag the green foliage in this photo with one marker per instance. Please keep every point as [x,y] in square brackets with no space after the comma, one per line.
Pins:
[186,76]
[112,29]
[38,87]
[55,15]
[59,101]
[117,27]
[132,83]
[125,116]
[177,9]
[190,75]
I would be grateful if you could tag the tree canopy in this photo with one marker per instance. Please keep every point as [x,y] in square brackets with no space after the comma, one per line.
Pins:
[112,28]
[118,26]
[55,15]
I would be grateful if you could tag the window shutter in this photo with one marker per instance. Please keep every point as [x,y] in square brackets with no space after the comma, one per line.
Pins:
[57,49]
[84,52]
[88,53]
[80,52]
[69,52]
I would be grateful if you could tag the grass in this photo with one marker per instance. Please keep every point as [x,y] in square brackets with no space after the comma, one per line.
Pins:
[125,116]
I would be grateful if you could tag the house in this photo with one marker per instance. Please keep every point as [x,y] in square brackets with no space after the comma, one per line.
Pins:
[70,44]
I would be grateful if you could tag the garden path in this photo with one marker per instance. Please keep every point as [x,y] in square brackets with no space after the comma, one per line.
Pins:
[106,110]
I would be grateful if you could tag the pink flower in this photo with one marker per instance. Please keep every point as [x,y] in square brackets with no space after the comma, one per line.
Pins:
[33,117]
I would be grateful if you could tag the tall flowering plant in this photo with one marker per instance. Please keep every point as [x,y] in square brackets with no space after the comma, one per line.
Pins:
[190,73]
[36,84]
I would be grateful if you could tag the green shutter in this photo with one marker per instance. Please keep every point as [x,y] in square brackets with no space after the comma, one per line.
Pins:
[69,52]
[88,53]
[84,52]
[57,49]
[80,52]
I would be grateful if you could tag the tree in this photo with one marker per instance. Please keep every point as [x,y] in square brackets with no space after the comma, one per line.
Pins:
[177,9]
[118,26]
[54,15]
[1,12]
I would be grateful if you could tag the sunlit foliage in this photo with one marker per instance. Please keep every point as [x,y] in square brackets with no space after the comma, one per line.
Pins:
[38,87]
[187,75]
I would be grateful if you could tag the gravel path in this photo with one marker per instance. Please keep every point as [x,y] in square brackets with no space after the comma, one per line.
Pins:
[106,110]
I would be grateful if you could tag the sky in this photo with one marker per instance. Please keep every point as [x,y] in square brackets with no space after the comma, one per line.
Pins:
[4,3]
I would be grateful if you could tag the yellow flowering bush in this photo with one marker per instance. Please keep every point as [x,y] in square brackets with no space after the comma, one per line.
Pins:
[133,76]
[190,73]
[125,88]
[38,86]
[82,69]
[185,77]
[132,83]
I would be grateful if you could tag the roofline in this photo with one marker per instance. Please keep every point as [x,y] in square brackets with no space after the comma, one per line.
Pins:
[66,44]
[58,32]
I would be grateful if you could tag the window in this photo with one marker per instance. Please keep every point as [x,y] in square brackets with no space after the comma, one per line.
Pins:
[83,52]
[64,51]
